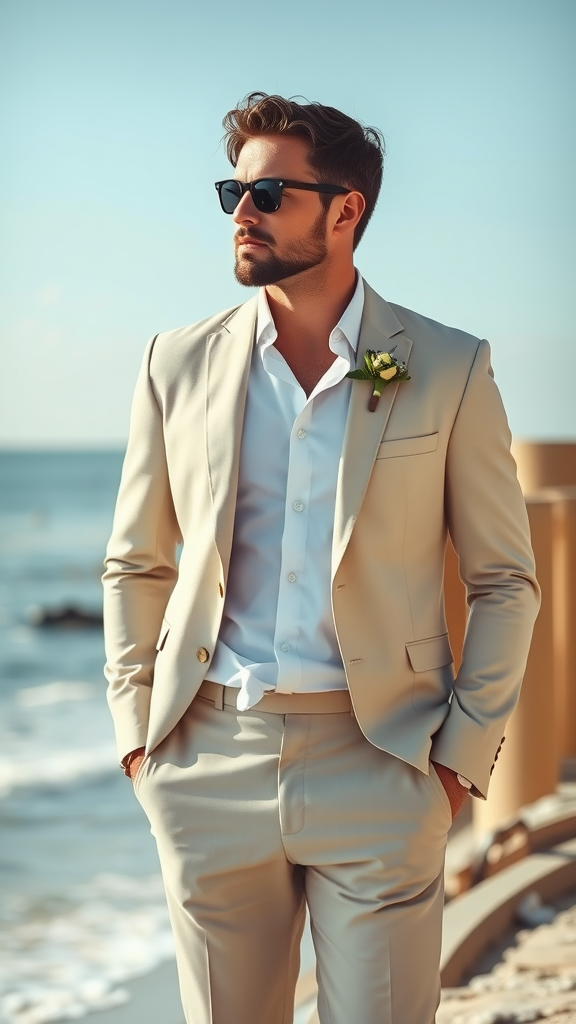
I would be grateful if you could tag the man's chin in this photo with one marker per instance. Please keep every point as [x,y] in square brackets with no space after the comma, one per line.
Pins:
[254,274]
[257,274]
[247,271]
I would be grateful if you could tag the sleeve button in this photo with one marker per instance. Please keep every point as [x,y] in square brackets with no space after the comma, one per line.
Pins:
[202,654]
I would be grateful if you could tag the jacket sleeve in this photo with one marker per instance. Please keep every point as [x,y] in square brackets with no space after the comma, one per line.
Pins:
[141,567]
[488,524]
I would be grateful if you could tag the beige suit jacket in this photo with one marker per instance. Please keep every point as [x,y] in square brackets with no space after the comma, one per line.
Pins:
[434,458]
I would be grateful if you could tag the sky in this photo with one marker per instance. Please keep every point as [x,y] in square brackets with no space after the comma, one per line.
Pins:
[110,129]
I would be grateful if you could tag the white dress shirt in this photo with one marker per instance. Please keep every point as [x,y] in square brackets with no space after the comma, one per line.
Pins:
[277,629]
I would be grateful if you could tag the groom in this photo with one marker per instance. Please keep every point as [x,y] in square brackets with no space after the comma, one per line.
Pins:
[284,696]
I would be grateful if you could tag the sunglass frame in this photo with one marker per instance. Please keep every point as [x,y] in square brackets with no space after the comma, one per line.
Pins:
[280,183]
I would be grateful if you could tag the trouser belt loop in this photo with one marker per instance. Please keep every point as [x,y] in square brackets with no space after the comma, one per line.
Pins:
[219,697]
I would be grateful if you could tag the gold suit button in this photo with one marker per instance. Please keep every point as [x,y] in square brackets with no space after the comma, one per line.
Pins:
[202,654]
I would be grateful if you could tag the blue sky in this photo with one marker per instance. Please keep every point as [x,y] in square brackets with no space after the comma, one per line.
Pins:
[110,131]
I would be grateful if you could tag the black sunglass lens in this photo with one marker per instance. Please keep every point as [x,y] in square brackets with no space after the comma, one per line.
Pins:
[230,195]
[266,195]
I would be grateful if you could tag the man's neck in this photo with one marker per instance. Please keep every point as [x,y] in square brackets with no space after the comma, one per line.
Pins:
[305,312]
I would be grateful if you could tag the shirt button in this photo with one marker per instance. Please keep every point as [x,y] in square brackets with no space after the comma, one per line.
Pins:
[202,654]
[292,577]
[301,434]
[298,506]
[285,647]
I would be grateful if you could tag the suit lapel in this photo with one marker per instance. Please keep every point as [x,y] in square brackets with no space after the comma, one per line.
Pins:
[227,369]
[364,429]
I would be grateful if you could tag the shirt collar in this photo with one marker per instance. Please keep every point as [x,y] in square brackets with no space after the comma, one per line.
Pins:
[348,324]
[351,319]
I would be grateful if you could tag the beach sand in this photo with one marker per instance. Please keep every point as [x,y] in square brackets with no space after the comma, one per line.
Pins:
[154,999]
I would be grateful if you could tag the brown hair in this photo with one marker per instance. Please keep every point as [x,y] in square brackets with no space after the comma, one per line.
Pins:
[343,151]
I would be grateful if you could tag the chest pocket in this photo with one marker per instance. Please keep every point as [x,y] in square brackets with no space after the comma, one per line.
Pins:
[408,446]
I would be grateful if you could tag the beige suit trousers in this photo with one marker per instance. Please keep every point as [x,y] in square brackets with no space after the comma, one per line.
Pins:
[257,814]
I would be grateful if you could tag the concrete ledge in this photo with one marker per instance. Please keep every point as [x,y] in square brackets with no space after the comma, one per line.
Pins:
[549,821]
[558,828]
[478,917]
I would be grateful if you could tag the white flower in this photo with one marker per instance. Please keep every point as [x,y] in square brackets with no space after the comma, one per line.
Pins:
[389,373]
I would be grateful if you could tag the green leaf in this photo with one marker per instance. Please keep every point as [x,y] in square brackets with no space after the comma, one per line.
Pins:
[359,375]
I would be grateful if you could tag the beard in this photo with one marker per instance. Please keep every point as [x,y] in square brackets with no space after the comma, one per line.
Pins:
[303,255]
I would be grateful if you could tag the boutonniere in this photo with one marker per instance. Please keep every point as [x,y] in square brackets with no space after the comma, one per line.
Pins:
[381,368]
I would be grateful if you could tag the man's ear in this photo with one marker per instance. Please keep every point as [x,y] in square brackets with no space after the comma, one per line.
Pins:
[349,211]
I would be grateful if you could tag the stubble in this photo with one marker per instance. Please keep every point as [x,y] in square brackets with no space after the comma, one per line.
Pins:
[309,252]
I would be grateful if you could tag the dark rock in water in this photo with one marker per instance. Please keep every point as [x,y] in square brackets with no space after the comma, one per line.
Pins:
[68,617]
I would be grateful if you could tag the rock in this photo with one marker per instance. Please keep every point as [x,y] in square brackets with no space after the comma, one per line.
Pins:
[532,911]
[68,617]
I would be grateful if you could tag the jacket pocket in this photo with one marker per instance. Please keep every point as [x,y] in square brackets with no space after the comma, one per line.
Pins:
[408,446]
[429,654]
[165,629]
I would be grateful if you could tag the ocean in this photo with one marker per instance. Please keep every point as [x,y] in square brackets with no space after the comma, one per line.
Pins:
[81,902]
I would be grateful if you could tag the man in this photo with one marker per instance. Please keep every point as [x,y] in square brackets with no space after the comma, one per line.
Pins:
[284,698]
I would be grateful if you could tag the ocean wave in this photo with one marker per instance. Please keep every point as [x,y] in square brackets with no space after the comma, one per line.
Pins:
[56,769]
[54,693]
[64,966]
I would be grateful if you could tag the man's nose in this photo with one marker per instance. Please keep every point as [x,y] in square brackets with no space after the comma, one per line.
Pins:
[246,212]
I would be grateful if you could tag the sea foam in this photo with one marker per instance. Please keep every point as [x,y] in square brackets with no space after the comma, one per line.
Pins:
[54,693]
[63,966]
[56,769]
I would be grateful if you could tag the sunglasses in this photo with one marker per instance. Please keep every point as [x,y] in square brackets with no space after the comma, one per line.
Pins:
[266,192]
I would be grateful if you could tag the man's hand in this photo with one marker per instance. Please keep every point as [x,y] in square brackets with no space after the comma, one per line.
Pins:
[133,760]
[455,792]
